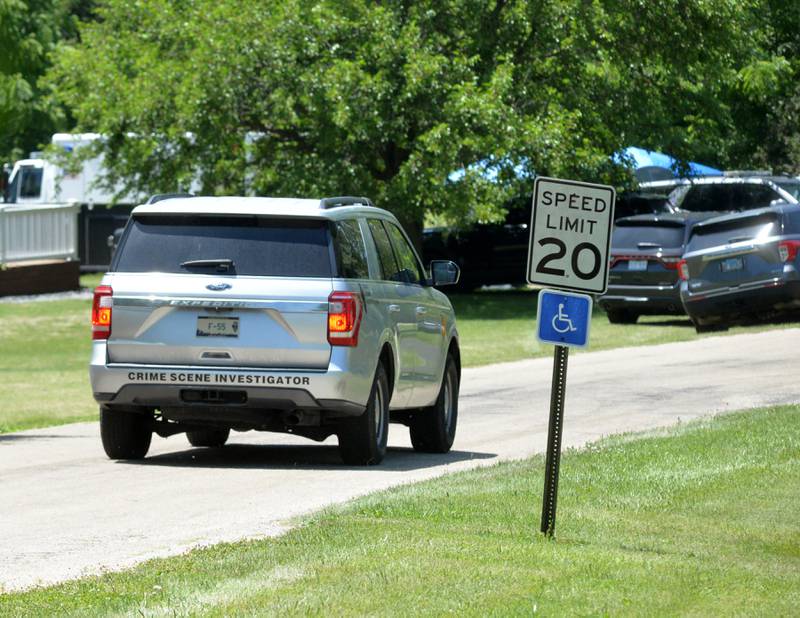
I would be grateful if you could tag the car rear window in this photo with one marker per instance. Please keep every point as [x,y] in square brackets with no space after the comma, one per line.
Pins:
[657,234]
[734,230]
[257,246]
[727,197]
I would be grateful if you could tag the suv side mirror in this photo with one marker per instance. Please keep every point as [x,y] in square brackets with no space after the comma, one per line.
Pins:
[444,272]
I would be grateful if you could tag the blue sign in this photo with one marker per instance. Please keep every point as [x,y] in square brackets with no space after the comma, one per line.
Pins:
[563,318]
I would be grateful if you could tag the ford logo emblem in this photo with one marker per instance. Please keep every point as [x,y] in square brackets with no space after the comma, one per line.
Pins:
[218,287]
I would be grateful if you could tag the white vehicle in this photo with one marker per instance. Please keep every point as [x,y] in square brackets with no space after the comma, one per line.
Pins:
[40,180]
[314,317]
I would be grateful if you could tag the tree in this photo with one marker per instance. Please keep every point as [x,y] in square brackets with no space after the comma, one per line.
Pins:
[29,31]
[390,98]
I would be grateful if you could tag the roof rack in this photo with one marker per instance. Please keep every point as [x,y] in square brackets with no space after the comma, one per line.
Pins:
[345,200]
[737,173]
[158,197]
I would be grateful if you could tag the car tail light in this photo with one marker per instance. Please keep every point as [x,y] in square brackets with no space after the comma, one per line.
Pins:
[683,270]
[671,263]
[101,312]
[344,318]
[788,249]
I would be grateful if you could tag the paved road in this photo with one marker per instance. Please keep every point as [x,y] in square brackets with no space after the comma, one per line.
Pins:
[65,510]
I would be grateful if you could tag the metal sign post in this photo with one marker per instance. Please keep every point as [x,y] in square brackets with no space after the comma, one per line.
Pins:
[569,247]
[557,392]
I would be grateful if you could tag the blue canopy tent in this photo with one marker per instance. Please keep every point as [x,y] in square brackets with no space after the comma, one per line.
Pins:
[650,165]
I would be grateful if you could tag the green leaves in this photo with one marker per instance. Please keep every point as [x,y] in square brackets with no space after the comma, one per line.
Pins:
[391,98]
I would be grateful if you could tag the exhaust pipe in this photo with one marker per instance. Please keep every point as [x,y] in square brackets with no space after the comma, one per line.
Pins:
[292,419]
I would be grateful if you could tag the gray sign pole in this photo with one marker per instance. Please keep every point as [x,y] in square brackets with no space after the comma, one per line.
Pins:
[557,392]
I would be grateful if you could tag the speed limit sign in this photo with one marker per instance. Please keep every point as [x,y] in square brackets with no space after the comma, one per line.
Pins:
[570,234]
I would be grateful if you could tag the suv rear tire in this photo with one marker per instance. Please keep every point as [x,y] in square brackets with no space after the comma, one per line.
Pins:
[434,429]
[211,437]
[362,442]
[125,434]
[622,316]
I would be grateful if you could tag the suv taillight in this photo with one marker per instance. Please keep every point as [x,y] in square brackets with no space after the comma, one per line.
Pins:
[788,249]
[683,270]
[101,312]
[344,318]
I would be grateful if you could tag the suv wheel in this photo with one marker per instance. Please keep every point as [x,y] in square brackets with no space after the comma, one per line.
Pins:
[208,437]
[622,316]
[125,434]
[362,441]
[434,429]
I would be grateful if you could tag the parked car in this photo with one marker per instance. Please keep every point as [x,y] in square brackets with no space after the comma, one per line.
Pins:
[643,276]
[742,265]
[733,193]
[313,317]
[497,253]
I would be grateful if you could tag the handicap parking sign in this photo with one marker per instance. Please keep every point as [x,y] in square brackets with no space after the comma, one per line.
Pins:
[563,318]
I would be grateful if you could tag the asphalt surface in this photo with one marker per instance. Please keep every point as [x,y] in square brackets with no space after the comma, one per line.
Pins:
[67,511]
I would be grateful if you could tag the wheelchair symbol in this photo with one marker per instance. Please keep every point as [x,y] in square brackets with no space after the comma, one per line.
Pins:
[561,322]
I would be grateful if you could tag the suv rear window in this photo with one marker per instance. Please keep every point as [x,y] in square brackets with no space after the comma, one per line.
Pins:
[727,197]
[629,235]
[734,230]
[256,245]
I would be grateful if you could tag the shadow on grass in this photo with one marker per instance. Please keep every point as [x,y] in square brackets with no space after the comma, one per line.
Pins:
[291,457]
[672,321]
[20,437]
[505,305]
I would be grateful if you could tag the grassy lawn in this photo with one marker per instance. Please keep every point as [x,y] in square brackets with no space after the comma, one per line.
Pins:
[46,348]
[698,520]
[500,326]
[44,362]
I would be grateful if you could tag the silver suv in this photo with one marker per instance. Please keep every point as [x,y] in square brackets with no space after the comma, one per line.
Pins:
[313,317]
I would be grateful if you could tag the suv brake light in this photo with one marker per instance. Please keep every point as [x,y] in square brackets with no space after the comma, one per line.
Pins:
[683,270]
[101,312]
[344,318]
[788,249]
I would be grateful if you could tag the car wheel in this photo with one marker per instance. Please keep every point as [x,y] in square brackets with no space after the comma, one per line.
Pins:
[622,316]
[362,442]
[700,327]
[125,434]
[208,437]
[434,429]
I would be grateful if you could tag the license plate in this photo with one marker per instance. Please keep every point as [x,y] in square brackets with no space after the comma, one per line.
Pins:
[731,264]
[637,264]
[217,327]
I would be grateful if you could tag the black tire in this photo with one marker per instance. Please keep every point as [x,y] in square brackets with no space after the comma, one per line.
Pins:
[125,434]
[211,437]
[622,316]
[433,429]
[700,328]
[362,441]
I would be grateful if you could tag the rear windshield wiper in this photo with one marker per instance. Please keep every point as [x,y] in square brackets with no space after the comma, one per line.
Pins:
[221,264]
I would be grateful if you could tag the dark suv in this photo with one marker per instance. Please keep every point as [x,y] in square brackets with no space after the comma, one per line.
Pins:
[742,265]
[643,276]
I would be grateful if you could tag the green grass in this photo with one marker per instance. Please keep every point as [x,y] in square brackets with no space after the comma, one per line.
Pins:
[45,363]
[698,520]
[46,346]
[500,326]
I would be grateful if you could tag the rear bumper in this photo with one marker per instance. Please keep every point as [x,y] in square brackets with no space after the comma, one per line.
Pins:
[335,392]
[775,295]
[643,299]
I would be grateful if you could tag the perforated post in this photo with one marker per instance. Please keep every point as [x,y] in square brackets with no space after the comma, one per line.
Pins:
[557,392]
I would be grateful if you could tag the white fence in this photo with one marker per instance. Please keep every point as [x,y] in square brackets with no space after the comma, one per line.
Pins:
[38,232]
